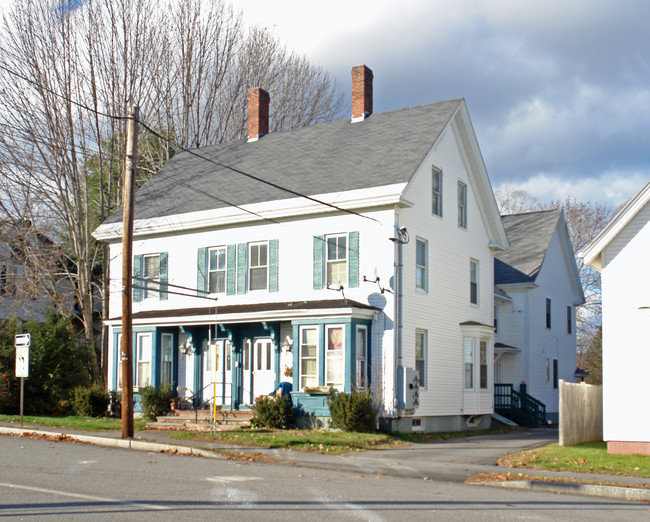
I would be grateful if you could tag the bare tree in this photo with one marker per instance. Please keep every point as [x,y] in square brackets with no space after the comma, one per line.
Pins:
[69,76]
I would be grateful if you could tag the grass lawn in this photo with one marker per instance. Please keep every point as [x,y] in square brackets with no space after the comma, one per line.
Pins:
[72,422]
[322,441]
[591,457]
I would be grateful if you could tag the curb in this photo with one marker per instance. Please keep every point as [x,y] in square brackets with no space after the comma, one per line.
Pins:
[591,490]
[109,442]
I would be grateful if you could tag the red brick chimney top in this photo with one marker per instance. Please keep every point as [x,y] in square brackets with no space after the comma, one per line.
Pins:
[258,113]
[361,92]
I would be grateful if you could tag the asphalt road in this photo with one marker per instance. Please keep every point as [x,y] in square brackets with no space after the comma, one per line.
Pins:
[40,478]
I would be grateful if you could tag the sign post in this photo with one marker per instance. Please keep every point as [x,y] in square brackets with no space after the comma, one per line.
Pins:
[22,366]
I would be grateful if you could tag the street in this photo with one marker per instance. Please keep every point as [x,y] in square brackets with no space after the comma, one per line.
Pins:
[77,481]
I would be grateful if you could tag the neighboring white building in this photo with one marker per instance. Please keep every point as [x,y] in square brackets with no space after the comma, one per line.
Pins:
[384,272]
[621,252]
[538,289]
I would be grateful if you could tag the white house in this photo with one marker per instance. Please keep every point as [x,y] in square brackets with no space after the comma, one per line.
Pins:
[356,254]
[538,289]
[621,253]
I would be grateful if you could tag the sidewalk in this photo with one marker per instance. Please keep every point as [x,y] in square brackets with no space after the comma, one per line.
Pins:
[453,460]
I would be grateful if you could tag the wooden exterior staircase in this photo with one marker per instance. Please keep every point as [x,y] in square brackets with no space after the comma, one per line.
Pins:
[518,406]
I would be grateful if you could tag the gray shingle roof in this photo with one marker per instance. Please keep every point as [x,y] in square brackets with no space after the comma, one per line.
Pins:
[529,235]
[384,149]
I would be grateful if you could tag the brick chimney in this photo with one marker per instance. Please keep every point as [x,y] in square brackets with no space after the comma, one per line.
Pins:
[361,92]
[258,113]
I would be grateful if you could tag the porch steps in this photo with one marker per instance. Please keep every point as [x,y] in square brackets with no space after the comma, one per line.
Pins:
[201,420]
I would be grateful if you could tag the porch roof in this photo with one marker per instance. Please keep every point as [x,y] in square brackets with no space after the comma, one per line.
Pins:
[254,312]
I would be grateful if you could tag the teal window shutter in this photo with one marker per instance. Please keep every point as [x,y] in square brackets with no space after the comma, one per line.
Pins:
[231,267]
[163,276]
[242,267]
[353,256]
[201,273]
[137,279]
[319,241]
[274,246]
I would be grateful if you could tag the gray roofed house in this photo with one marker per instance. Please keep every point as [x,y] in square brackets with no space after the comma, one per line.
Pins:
[537,291]
[336,256]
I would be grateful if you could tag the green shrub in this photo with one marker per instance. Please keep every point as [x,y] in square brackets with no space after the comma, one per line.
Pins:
[90,402]
[272,412]
[352,411]
[156,401]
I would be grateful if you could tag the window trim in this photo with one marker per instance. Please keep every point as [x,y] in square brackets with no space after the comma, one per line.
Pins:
[474,273]
[328,261]
[137,383]
[315,357]
[148,285]
[209,271]
[484,376]
[340,354]
[436,195]
[361,383]
[257,244]
[468,359]
[548,313]
[462,205]
[556,372]
[170,337]
[422,381]
[423,269]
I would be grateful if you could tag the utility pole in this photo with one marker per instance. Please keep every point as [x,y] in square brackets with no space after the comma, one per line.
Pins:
[127,269]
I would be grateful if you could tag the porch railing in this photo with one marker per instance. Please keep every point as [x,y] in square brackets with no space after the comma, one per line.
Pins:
[518,406]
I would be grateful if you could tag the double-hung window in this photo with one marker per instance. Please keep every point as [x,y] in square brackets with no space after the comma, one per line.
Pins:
[473,281]
[217,270]
[421,265]
[167,341]
[258,266]
[337,259]
[468,358]
[151,276]
[308,357]
[436,191]
[143,356]
[334,338]
[362,357]
[483,362]
[462,205]
[421,356]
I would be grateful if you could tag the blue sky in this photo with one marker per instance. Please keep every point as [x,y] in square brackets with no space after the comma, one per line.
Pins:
[558,92]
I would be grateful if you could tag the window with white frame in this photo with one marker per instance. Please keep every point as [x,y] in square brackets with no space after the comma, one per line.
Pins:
[258,266]
[143,358]
[151,274]
[462,205]
[334,367]
[166,341]
[308,356]
[217,270]
[436,191]
[473,281]
[421,356]
[362,354]
[421,264]
[336,256]
[483,362]
[468,358]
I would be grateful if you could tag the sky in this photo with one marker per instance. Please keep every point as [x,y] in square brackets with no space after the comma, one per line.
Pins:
[558,91]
